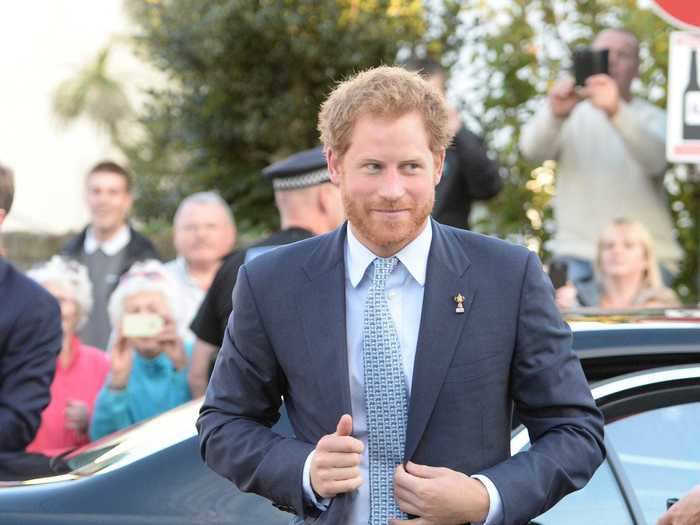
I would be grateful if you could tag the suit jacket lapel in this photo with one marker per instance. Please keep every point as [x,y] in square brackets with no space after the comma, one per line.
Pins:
[440,328]
[323,318]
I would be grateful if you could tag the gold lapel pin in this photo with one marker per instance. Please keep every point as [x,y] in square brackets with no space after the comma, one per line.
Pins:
[459,299]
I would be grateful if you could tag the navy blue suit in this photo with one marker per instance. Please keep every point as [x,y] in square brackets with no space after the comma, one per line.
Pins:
[30,340]
[509,349]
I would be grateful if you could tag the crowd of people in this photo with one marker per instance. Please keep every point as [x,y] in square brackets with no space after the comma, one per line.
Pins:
[104,334]
[132,336]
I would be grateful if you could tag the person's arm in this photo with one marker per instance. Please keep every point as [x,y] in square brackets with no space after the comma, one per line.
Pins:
[111,411]
[26,372]
[644,134]
[684,512]
[198,377]
[552,398]
[481,173]
[540,138]
[180,354]
[242,403]
[642,128]
[443,495]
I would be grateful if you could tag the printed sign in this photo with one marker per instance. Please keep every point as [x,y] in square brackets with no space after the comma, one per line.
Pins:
[680,13]
[683,106]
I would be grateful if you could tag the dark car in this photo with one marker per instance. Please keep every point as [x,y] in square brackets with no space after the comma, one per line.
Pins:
[149,474]
[611,345]
[152,473]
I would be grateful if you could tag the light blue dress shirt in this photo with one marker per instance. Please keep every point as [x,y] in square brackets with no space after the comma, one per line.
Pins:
[405,287]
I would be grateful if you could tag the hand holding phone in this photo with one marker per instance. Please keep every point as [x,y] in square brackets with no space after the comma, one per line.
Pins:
[563,97]
[558,273]
[588,62]
[604,93]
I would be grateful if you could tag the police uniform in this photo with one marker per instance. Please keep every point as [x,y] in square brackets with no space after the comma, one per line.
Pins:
[301,170]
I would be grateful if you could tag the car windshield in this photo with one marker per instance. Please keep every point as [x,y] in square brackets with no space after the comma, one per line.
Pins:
[140,440]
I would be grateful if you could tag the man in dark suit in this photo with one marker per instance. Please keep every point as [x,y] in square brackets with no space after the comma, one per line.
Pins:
[30,339]
[400,347]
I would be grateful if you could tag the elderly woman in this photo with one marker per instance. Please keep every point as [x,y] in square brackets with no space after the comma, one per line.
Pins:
[80,370]
[149,360]
[628,273]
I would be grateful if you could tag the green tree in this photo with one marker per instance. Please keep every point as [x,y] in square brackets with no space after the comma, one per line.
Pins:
[94,94]
[512,54]
[246,79]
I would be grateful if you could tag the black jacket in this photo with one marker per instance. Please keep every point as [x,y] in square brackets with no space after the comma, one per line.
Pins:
[469,175]
[138,249]
[210,322]
[30,339]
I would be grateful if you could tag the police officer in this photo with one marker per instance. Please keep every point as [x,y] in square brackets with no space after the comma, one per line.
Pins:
[308,205]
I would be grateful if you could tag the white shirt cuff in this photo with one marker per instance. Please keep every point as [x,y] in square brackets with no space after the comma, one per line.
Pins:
[495,515]
[308,491]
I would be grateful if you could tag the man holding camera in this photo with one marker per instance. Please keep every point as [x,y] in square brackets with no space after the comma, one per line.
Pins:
[610,153]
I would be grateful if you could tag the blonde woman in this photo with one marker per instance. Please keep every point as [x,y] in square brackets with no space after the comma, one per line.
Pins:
[80,369]
[627,272]
[149,360]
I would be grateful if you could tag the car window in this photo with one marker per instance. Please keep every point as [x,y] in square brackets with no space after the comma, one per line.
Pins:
[660,454]
[599,502]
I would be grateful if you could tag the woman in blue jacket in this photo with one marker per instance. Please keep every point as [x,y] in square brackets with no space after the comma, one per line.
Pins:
[149,358]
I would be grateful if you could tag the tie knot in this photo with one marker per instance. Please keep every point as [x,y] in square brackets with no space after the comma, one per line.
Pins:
[383,267]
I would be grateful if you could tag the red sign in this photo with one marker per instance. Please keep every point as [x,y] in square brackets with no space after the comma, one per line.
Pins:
[681,13]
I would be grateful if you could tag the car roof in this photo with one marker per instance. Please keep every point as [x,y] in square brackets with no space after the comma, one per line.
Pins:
[617,319]
[613,344]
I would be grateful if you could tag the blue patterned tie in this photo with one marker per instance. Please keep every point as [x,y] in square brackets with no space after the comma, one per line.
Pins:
[385,395]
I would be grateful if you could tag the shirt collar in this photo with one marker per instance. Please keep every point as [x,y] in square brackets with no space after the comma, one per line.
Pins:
[414,256]
[184,271]
[109,247]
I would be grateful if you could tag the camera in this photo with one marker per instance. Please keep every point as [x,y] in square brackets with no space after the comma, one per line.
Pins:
[588,62]
[141,325]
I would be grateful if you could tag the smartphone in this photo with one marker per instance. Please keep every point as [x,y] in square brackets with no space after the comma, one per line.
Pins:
[141,325]
[588,62]
[558,273]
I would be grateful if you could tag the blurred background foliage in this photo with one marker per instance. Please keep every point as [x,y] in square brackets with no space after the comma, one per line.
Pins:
[244,80]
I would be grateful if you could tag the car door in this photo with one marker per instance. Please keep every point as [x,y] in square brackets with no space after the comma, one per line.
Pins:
[652,435]
[658,450]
